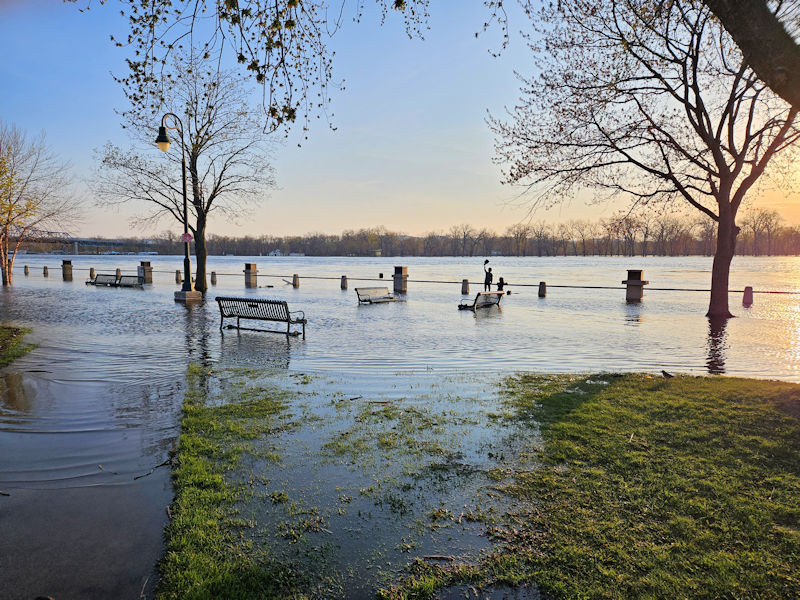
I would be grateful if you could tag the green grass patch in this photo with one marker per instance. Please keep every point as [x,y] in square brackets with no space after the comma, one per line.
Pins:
[12,344]
[206,555]
[641,487]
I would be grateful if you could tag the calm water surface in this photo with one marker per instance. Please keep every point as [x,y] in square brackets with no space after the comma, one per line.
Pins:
[97,403]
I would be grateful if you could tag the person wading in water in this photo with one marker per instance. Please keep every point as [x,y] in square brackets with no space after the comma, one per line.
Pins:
[487,281]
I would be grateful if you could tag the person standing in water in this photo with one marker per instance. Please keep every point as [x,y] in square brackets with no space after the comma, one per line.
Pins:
[501,284]
[487,281]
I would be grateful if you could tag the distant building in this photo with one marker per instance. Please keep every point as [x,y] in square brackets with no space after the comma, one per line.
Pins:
[276,252]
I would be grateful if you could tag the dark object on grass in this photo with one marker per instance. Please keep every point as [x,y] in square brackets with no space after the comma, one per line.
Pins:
[667,375]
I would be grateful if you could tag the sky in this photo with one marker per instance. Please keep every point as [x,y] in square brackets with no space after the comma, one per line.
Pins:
[411,150]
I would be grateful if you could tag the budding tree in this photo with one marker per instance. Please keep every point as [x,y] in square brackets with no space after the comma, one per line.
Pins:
[649,100]
[33,193]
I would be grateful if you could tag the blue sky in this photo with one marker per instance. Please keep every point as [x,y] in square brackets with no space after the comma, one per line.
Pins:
[411,150]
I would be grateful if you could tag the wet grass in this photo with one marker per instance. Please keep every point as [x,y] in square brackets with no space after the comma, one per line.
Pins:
[600,487]
[12,344]
[647,488]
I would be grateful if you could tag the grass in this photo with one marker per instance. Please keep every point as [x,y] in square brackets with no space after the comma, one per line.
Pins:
[12,345]
[604,487]
[206,557]
[649,488]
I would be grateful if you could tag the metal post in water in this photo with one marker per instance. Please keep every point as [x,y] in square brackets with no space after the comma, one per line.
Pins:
[634,291]
[542,289]
[747,299]
[401,280]
[464,286]
[344,282]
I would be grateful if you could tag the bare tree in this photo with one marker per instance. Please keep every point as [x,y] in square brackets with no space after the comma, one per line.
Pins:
[519,233]
[650,100]
[772,221]
[227,156]
[34,193]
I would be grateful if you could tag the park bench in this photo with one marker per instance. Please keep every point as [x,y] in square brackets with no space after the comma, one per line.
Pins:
[374,295]
[483,300]
[103,279]
[129,281]
[114,281]
[260,309]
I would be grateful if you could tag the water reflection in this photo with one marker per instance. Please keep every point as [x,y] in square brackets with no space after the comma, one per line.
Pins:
[717,346]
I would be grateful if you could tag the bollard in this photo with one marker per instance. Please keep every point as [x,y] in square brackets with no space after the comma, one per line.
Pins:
[145,272]
[747,299]
[119,274]
[213,278]
[250,275]
[45,272]
[66,270]
[91,273]
[464,287]
[295,280]
[380,275]
[27,270]
[178,276]
[635,286]
[344,282]
[400,280]
[542,289]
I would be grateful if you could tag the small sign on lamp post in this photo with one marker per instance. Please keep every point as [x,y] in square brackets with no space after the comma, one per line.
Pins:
[186,237]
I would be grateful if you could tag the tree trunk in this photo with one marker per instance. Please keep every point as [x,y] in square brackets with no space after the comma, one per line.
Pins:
[720,272]
[201,255]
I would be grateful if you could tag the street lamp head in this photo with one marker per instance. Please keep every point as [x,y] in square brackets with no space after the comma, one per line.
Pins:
[163,139]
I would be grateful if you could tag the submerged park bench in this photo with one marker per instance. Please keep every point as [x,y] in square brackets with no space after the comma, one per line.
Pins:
[114,281]
[374,295]
[260,309]
[483,300]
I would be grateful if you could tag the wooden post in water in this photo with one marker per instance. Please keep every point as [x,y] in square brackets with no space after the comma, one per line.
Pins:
[213,278]
[45,272]
[27,270]
[250,275]
[178,276]
[464,287]
[145,272]
[66,270]
[542,289]
[344,282]
[747,299]
[119,273]
[295,280]
[91,273]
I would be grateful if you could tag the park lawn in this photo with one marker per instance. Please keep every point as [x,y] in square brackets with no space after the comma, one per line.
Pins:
[616,486]
[12,345]
[645,487]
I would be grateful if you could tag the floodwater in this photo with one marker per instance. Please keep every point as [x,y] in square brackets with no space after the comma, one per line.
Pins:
[97,403]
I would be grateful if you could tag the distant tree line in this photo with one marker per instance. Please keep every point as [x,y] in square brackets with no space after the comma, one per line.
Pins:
[763,234]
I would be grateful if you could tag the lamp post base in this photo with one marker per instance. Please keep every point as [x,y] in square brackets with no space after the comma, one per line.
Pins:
[191,296]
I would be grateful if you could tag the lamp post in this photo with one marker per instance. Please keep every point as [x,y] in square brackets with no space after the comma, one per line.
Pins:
[187,293]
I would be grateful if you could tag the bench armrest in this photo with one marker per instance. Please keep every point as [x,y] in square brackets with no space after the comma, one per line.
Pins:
[297,312]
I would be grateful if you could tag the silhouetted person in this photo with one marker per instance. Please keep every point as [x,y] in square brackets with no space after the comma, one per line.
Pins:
[500,284]
[487,281]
